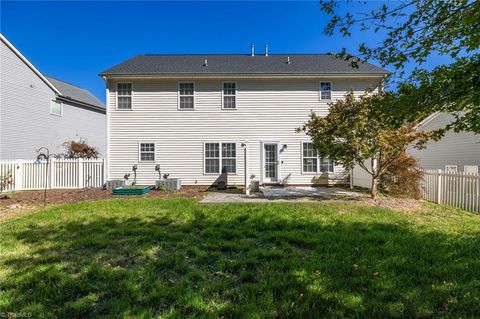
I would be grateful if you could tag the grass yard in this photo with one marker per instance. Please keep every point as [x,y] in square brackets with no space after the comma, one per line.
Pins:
[176,258]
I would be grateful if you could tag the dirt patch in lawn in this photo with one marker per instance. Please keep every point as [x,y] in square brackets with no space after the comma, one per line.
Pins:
[406,205]
[23,202]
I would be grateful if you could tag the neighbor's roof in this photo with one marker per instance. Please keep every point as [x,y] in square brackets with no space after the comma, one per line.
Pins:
[76,93]
[275,64]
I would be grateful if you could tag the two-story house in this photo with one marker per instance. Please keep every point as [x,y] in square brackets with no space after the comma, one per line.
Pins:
[200,115]
[37,110]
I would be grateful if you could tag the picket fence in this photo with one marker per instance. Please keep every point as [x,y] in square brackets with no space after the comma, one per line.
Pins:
[59,173]
[452,188]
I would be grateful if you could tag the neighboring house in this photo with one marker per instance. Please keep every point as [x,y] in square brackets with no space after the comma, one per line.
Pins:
[454,152]
[195,115]
[37,111]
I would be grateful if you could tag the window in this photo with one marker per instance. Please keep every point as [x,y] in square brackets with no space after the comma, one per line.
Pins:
[326,165]
[216,159]
[56,107]
[124,96]
[470,169]
[309,158]
[312,163]
[212,158]
[229,158]
[186,96]
[325,90]
[451,168]
[229,95]
[147,152]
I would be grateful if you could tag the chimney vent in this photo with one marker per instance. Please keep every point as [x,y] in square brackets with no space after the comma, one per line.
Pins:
[205,63]
[288,60]
[266,49]
[252,50]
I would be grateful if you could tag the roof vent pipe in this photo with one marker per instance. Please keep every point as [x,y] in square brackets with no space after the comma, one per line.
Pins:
[288,60]
[206,63]
[266,49]
[253,50]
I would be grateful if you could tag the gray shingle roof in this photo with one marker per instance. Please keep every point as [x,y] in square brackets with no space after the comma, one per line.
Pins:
[239,64]
[76,93]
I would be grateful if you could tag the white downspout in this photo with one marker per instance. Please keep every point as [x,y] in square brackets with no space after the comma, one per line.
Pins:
[246,167]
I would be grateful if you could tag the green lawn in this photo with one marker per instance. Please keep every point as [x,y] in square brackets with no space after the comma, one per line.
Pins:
[175,258]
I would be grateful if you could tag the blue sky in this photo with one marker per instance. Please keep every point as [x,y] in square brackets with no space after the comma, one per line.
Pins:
[74,41]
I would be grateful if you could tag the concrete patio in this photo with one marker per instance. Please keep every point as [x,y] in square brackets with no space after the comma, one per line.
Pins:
[283,194]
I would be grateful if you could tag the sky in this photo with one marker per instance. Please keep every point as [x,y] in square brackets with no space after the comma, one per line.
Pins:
[75,41]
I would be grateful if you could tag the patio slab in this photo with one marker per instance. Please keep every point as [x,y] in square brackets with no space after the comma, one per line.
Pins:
[283,194]
[310,192]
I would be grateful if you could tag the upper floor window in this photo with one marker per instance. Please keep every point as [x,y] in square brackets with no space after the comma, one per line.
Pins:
[56,107]
[312,163]
[325,90]
[186,99]
[229,95]
[147,152]
[124,96]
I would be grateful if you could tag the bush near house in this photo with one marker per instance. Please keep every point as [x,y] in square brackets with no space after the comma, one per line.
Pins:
[176,258]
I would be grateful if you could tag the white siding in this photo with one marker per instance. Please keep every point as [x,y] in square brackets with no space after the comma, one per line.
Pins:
[25,119]
[453,149]
[267,110]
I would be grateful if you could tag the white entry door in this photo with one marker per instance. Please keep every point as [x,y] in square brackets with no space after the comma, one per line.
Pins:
[270,163]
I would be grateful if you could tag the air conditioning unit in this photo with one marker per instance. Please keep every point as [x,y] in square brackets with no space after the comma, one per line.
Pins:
[115,183]
[170,184]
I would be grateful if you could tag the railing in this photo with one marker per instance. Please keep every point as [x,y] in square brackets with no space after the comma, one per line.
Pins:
[60,173]
[456,189]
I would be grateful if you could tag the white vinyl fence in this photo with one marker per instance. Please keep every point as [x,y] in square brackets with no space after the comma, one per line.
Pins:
[60,173]
[451,188]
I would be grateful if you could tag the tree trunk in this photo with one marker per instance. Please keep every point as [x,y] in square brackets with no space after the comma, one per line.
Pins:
[373,190]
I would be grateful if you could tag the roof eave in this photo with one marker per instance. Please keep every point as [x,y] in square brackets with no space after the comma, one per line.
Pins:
[91,106]
[240,75]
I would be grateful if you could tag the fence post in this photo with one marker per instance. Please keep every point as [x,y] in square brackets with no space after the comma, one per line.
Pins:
[439,186]
[53,173]
[81,179]
[104,173]
[18,175]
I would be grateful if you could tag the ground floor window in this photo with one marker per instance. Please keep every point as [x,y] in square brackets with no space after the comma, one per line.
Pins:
[147,152]
[312,163]
[220,156]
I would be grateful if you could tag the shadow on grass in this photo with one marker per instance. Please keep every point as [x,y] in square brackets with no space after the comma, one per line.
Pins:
[245,264]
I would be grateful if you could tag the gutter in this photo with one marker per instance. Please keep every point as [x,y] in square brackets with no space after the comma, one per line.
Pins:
[88,105]
[241,75]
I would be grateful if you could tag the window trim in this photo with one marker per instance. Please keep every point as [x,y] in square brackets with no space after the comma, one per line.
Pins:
[140,152]
[220,157]
[236,95]
[116,96]
[61,107]
[194,96]
[320,91]
[318,171]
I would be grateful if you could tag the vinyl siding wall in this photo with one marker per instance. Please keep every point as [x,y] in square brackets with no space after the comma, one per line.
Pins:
[25,120]
[453,149]
[268,110]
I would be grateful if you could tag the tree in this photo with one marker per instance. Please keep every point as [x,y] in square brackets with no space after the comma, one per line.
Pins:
[360,129]
[80,149]
[413,31]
